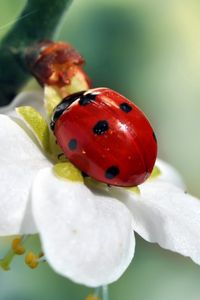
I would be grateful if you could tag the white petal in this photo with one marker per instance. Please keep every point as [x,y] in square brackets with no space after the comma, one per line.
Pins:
[34,99]
[85,237]
[169,174]
[166,215]
[20,160]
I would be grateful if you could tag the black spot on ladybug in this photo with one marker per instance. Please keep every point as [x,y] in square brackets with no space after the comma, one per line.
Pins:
[62,106]
[154,136]
[87,99]
[112,172]
[72,144]
[101,127]
[125,107]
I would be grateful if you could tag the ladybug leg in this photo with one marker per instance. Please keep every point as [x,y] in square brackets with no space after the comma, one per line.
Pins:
[84,174]
[60,155]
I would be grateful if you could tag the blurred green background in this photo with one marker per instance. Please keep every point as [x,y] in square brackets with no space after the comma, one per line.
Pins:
[150,52]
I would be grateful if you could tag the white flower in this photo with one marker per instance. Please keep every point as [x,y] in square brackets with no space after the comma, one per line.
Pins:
[88,235]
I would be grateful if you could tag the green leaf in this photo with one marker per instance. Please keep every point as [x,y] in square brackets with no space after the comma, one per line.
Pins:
[37,124]
[68,171]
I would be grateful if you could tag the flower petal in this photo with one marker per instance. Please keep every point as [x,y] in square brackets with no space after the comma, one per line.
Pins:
[34,98]
[168,174]
[85,237]
[20,160]
[166,215]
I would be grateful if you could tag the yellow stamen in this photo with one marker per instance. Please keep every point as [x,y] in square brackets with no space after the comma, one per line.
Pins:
[17,246]
[92,297]
[41,254]
[31,260]
[16,249]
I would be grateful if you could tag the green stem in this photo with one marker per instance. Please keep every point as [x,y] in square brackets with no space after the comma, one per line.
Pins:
[97,291]
[105,292]
[38,21]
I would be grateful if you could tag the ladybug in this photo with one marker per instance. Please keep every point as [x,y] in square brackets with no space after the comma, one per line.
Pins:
[106,136]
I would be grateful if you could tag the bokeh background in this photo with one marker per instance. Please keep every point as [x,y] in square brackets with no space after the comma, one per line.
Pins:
[150,52]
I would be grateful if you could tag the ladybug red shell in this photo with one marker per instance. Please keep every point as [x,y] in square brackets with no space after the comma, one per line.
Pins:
[106,136]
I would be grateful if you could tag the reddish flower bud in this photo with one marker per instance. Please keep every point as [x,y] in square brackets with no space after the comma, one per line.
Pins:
[52,63]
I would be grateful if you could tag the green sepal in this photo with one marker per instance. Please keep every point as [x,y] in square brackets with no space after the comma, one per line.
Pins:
[52,98]
[94,184]
[68,171]
[134,189]
[155,173]
[57,153]
[38,125]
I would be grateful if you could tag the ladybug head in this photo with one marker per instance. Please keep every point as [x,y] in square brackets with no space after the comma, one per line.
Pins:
[62,106]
